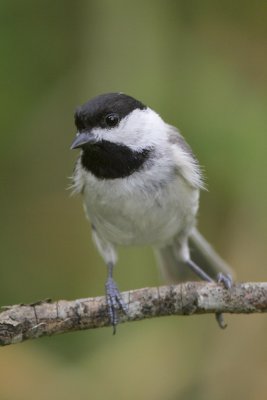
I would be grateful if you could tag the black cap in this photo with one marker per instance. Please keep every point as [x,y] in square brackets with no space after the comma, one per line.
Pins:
[92,114]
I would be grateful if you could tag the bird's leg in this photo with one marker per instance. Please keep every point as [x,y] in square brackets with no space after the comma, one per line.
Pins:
[113,298]
[226,280]
[198,271]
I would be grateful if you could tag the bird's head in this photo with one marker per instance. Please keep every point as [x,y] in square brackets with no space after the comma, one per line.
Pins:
[119,119]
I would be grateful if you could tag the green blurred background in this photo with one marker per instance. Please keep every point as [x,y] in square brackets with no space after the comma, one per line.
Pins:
[203,66]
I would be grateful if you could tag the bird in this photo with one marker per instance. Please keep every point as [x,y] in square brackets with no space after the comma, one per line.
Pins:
[140,183]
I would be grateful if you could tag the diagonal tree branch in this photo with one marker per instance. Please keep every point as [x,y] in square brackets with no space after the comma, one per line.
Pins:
[29,321]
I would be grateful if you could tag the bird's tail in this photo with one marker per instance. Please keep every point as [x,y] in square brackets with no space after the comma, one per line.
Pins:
[173,269]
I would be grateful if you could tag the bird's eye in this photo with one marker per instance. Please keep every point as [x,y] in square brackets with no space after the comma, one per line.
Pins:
[112,120]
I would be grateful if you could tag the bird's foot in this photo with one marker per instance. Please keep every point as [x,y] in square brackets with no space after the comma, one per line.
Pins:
[227,282]
[114,302]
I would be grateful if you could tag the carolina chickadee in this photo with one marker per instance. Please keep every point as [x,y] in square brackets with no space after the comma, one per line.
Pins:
[140,181]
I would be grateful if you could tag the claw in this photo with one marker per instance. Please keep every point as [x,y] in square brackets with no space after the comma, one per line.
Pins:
[226,280]
[220,319]
[114,302]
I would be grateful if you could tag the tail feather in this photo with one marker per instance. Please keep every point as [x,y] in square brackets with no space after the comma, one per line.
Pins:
[174,269]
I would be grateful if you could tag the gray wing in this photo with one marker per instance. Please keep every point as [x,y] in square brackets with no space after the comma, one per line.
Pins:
[187,163]
[175,137]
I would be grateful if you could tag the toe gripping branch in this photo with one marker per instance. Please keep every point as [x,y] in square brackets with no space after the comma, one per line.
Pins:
[114,299]
[226,280]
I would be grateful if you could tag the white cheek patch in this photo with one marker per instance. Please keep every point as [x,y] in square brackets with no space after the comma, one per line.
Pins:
[139,130]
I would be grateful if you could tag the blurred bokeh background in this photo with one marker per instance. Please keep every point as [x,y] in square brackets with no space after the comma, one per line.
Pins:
[203,66]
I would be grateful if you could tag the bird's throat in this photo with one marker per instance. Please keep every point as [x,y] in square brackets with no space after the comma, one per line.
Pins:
[108,160]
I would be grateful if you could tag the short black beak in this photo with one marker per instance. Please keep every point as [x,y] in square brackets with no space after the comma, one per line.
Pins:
[81,139]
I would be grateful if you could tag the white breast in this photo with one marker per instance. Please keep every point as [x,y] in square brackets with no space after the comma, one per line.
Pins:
[142,209]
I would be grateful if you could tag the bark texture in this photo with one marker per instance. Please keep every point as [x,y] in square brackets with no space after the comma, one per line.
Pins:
[29,321]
